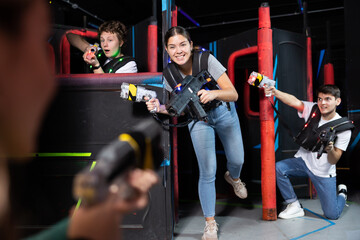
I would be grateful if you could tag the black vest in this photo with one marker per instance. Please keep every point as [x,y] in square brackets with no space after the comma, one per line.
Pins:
[117,63]
[308,137]
[200,62]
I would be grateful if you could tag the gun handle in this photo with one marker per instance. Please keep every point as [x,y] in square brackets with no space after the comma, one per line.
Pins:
[198,109]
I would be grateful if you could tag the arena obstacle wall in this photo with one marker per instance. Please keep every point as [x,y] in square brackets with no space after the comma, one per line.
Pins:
[87,114]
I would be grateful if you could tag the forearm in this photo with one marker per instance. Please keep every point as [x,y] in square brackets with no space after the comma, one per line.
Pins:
[162,109]
[334,155]
[288,99]
[226,95]
[77,41]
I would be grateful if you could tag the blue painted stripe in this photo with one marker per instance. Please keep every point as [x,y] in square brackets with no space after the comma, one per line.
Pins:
[133,41]
[353,111]
[156,85]
[257,146]
[355,142]
[275,67]
[321,57]
[166,162]
[320,229]
[215,49]
[276,123]
[153,80]
[164,5]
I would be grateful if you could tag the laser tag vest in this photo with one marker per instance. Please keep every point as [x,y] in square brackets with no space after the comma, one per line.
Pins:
[308,137]
[116,63]
[200,62]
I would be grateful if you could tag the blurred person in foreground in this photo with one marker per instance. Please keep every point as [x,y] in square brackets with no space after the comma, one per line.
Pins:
[26,88]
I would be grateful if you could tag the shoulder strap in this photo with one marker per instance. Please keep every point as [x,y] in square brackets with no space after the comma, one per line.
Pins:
[339,125]
[116,63]
[172,75]
[200,61]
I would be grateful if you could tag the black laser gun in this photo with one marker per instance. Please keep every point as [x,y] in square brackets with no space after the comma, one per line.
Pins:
[329,135]
[184,96]
[325,137]
[139,148]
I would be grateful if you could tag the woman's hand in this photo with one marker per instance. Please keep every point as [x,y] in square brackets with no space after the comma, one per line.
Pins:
[153,105]
[206,96]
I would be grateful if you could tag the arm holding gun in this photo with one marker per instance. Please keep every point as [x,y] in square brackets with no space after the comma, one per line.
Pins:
[261,81]
[118,184]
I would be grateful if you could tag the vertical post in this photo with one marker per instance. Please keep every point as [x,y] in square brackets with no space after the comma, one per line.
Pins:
[309,72]
[152,50]
[174,13]
[265,61]
[166,23]
[328,67]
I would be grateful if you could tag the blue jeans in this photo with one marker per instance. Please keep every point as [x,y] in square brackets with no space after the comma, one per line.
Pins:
[332,204]
[226,124]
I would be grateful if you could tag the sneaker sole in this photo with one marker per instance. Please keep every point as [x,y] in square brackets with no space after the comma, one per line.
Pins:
[205,238]
[298,214]
[229,181]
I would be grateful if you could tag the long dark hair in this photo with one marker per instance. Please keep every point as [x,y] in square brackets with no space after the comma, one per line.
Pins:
[176,31]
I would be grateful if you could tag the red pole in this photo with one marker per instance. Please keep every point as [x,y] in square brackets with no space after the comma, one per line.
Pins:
[265,61]
[329,74]
[175,138]
[152,47]
[309,70]
[65,48]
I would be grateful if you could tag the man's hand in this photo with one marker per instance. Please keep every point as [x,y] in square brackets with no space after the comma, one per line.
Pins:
[329,147]
[101,221]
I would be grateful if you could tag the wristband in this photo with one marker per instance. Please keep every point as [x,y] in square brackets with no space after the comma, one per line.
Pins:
[93,67]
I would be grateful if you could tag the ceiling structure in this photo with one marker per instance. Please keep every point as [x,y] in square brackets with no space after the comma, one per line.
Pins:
[215,19]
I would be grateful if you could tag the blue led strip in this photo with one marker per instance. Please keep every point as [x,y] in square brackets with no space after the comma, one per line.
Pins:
[322,53]
[306,234]
[188,17]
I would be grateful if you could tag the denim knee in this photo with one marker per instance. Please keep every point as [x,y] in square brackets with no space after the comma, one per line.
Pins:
[332,215]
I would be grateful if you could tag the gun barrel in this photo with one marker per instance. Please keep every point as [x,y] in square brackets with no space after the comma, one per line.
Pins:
[128,151]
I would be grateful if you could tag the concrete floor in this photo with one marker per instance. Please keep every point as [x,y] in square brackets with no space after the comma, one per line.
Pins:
[241,219]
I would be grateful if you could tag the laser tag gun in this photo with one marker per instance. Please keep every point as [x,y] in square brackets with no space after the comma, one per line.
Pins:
[140,148]
[329,135]
[184,96]
[136,93]
[325,137]
[259,80]
[92,51]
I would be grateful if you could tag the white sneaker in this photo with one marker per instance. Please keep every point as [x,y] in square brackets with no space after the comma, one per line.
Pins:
[239,187]
[292,210]
[210,231]
[342,190]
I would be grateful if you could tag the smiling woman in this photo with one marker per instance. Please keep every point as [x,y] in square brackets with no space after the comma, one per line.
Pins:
[112,35]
